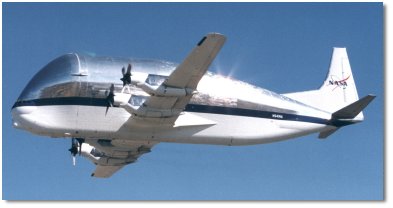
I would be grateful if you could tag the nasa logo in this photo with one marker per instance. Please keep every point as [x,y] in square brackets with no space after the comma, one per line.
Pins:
[338,83]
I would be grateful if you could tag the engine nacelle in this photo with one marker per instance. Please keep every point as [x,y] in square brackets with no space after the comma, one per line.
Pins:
[98,157]
[121,98]
[91,153]
[163,90]
[150,112]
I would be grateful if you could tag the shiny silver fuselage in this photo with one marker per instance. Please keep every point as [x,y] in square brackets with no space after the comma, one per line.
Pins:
[67,99]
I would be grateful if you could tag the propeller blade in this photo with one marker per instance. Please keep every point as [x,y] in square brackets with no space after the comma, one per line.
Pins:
[110,98]
[129,69]
[107,108]
[123,70]
[73,150]
[112,88]
[80,142]
[126,75]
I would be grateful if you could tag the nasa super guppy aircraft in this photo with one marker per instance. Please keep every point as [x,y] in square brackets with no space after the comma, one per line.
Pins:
[116,109]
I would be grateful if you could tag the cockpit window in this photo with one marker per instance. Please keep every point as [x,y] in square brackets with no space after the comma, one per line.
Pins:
[74,75]
[54,80]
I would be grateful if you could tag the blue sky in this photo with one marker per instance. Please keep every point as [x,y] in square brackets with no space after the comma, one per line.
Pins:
[282,47]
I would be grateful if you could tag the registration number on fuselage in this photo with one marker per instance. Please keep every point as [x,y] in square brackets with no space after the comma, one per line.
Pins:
[279,116]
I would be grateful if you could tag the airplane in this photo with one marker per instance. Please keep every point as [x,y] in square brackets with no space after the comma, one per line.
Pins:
[116,109]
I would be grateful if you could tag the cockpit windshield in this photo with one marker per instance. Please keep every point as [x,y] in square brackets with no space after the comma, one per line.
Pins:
[74,75]
[56,73]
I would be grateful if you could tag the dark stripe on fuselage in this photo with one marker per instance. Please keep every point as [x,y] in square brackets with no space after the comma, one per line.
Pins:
[63,101]
[252,113]
[189,108]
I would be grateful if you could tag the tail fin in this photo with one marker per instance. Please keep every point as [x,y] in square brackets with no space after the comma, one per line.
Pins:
[339,87]
[337,95]
[337,91]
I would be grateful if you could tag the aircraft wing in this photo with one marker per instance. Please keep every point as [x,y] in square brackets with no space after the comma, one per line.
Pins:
[188,73]
[169,99]
[106,171]
[112,155]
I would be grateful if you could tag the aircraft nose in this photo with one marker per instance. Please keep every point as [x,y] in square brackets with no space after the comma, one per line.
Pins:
[24,109]
[19,116]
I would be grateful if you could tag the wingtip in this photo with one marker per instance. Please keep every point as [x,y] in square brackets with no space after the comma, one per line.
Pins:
[214,34]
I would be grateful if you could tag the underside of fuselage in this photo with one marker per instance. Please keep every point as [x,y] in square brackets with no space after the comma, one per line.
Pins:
[79,121]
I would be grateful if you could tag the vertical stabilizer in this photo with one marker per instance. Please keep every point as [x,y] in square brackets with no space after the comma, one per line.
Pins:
[337,95]
[339,85]
[337,91]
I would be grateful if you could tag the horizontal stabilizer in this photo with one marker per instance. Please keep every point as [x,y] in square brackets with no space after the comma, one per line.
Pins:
[341,117]
[325,134]
[352,110]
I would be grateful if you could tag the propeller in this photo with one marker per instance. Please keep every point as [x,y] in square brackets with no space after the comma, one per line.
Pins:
[110,98]
[126,75]
[76,147]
